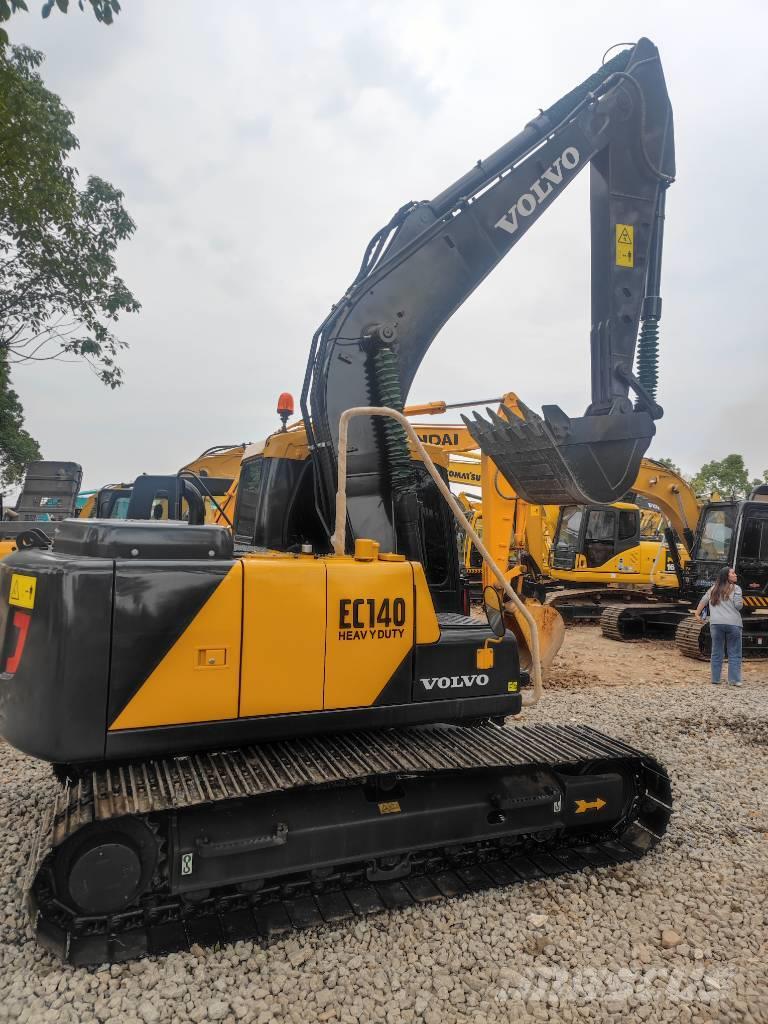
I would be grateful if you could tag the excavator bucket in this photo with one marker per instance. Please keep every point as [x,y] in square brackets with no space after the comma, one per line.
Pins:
[556,460]
[551,630]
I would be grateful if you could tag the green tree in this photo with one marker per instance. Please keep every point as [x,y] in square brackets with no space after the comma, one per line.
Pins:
[104,10]
[728,476]
[670,465]
[17,448]
[59,288]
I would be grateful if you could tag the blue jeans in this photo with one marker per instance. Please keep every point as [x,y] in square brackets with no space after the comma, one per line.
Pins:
[722,637]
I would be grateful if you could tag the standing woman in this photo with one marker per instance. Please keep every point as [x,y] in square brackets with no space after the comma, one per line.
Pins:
[725,603]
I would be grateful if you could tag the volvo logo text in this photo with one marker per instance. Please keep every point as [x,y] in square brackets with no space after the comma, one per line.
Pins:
[539,190]
[454,682]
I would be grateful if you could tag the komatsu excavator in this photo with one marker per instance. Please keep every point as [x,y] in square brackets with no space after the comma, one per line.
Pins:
[252,740]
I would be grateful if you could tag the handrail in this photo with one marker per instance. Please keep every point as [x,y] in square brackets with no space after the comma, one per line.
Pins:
[338,540]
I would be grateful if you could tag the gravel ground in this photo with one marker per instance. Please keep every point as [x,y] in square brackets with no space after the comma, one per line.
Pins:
[679,936]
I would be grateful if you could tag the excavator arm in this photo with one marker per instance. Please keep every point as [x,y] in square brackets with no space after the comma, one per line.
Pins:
[422,265]
[673,495]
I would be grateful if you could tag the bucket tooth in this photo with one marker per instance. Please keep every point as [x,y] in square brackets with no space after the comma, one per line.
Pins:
[559,460]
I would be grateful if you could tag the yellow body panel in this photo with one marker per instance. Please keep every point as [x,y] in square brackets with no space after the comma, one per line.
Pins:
[7,547]
[220,463]
[370,628]
[284,636]
[88,511]
[646,563]
[198,679]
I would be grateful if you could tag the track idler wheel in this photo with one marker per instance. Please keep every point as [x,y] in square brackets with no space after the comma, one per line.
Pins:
[106,867]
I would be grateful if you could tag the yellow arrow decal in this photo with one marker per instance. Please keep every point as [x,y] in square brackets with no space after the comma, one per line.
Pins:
[589,805]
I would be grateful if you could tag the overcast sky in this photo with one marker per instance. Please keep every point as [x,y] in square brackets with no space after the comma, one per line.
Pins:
[260,145]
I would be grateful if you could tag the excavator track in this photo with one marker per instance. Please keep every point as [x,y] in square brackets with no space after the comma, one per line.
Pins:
[127,812]
[589,604]
[633,623]
[693,639]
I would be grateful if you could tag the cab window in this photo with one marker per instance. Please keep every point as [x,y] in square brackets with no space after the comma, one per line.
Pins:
[248,490]
[433,532]
[568,534]
[716,533]
[599,538]
[755,543]
[628,524]
[119,509]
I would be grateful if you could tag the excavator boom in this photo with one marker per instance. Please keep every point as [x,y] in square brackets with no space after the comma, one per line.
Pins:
[430,257]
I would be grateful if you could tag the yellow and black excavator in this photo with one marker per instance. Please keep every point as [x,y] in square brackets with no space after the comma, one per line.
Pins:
[197,494]
[293,723]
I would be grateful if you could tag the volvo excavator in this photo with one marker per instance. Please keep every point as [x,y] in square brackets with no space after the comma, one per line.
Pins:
[247,740]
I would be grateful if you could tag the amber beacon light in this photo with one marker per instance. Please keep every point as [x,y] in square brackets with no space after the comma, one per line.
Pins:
[285,407]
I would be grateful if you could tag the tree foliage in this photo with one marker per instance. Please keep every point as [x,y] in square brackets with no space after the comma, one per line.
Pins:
[17,447]
[104,10]
[728,476]
[59,288]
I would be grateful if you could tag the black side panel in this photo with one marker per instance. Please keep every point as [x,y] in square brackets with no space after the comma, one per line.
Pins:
[448,669]
[125,538]
[154,603]
[53,706]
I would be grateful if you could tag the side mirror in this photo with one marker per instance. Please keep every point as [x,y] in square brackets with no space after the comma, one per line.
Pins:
[494,611]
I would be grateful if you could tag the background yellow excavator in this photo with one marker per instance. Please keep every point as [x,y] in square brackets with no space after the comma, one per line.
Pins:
[576,557]
[197,493]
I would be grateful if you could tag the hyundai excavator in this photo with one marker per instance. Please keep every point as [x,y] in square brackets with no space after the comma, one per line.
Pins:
[247,741]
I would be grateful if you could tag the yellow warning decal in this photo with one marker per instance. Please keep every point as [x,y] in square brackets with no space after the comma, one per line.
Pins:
[389,807]
[625,245]
[589,805]
[23,591]
[512,686]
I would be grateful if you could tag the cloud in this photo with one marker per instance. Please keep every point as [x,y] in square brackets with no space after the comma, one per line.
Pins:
[260,146]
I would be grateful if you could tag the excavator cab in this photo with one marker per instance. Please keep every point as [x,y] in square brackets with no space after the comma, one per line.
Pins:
[589,536]
[736,534]
[275,510]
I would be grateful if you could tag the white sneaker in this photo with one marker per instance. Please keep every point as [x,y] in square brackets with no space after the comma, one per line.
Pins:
[737,683]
